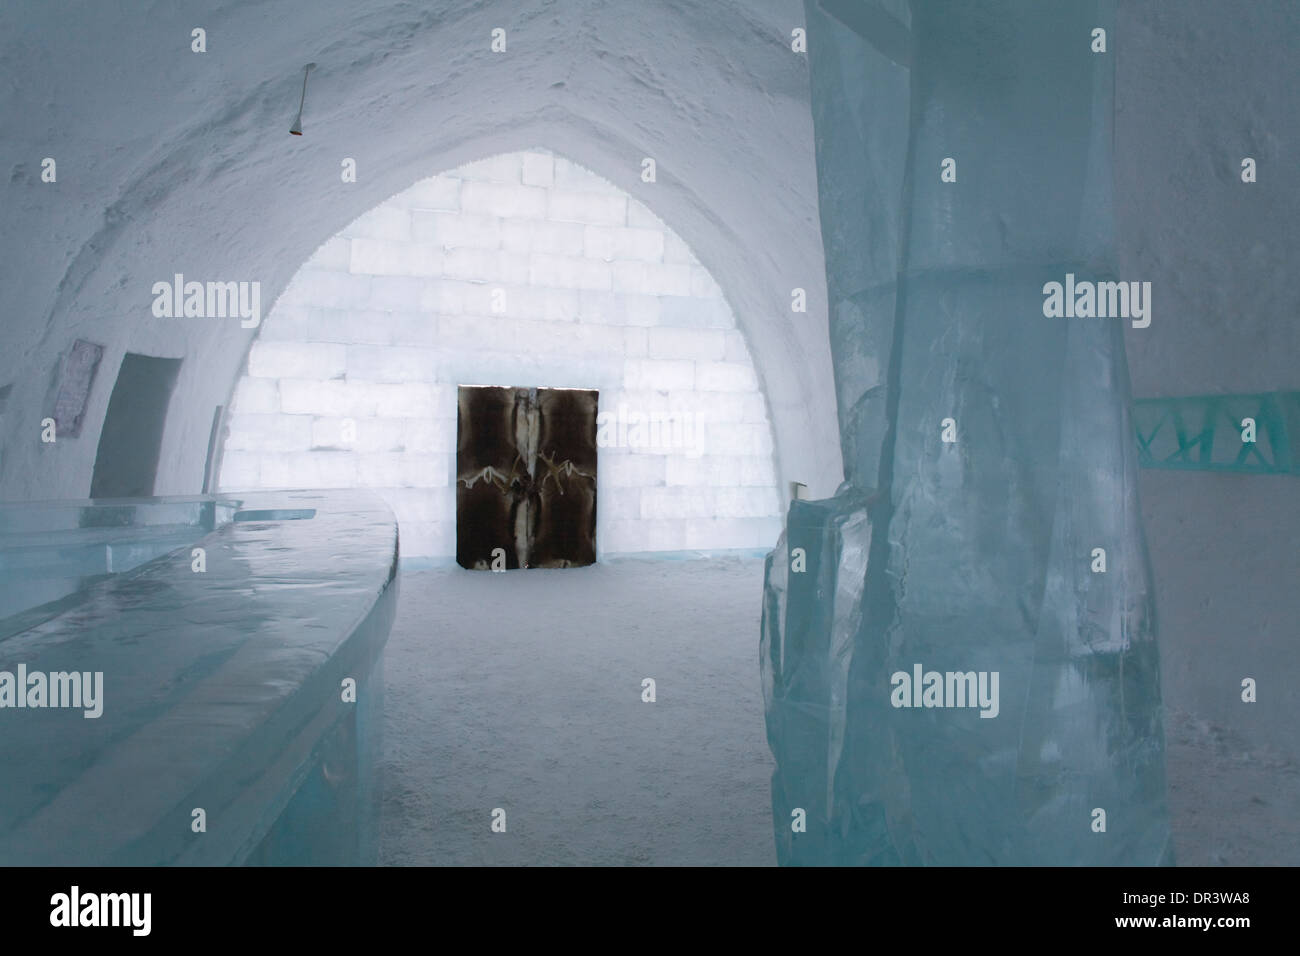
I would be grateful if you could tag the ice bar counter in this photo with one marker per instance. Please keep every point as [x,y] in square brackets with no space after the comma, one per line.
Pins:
[193,681]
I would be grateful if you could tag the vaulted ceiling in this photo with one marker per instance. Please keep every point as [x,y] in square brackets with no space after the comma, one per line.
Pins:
[174,161]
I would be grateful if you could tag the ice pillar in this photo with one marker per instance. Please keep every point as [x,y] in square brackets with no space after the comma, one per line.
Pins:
[988,525]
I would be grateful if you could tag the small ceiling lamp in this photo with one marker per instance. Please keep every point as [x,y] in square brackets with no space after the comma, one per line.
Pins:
[296,128]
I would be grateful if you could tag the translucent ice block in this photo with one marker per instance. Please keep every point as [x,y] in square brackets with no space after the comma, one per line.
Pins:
[954,679]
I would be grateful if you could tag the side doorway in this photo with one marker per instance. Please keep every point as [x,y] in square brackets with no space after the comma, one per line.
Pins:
[130,442]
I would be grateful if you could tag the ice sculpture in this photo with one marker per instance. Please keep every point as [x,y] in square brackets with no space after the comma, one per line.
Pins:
[989,461]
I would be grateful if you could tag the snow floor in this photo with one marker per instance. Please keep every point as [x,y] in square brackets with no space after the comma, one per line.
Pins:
[1230,803]
[523,691]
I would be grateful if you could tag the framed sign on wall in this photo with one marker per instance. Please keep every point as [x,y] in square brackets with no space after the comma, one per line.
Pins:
[74,386]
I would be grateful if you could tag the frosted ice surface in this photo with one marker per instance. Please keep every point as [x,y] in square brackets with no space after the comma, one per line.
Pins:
[1039,739]
[203,681]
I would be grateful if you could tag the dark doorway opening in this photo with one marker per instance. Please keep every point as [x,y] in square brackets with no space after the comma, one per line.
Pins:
[526,477]
[131,440]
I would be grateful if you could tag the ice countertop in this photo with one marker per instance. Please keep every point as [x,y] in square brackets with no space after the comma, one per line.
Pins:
[216,685]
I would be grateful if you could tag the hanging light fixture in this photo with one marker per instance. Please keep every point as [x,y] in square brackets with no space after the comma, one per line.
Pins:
[296,128]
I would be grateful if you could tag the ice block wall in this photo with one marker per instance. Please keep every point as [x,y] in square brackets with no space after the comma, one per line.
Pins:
[964,162]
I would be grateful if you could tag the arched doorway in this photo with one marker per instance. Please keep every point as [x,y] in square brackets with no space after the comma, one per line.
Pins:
[523,269]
